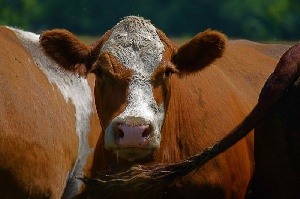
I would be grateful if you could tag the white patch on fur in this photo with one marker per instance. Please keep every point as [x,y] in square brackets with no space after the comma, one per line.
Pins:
[73,88]
[135,43]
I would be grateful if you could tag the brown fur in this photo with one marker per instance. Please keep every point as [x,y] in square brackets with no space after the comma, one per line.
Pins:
[38,140]
[202,50]
[205,98]
[69,52]
[78,50]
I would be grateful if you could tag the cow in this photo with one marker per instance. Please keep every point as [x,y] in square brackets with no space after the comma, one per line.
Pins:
[49,125]
[277,143]
[160,103]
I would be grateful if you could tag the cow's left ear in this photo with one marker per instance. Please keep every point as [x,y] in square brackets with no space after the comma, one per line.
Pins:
[200,51]
[68,51]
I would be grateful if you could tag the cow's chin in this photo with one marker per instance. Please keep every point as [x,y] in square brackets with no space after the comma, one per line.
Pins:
[133,154]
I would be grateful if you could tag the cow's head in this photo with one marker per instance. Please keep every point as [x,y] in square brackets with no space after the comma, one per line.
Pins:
[133,64]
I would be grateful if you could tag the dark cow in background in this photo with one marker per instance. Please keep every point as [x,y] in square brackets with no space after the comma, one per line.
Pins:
[277,143]
[158,102]
[48,122]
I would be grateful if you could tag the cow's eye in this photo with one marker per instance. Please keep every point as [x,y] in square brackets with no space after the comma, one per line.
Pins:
[169,71]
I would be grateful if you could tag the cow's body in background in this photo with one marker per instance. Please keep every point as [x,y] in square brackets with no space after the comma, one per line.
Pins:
[48,127]
[277,144]
[158,102]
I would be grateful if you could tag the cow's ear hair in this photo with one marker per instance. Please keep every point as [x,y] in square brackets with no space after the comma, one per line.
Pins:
[68,51]
[200,51]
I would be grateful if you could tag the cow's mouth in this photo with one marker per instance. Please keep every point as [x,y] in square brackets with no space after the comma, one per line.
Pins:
[131,154]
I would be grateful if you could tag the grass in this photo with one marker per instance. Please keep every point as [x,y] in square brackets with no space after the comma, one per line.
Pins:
[179,40]
[88,39]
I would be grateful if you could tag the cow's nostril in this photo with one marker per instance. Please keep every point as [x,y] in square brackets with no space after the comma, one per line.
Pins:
[119,134]
[146,132]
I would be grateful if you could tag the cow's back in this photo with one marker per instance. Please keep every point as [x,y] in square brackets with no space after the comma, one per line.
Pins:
[247,65]
[38,128]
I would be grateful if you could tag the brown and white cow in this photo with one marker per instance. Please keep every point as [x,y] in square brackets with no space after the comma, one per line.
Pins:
[158,102]
[49,125]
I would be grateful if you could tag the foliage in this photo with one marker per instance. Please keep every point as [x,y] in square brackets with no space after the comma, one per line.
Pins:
[250,19]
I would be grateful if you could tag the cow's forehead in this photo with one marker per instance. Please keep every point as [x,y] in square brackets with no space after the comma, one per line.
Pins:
[134,42]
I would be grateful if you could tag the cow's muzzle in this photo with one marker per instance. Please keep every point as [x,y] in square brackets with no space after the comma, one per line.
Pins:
[132,137]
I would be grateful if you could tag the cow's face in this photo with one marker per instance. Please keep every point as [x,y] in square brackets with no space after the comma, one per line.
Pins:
[133,64]
[131,114]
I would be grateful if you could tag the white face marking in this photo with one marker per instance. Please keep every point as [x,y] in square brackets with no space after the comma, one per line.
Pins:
[73,88]
[135,43]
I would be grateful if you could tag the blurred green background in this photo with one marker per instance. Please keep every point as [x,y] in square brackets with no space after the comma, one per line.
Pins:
[267,20]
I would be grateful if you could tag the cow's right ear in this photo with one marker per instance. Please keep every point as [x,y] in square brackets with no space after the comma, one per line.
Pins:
[200,51]
[68,51]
